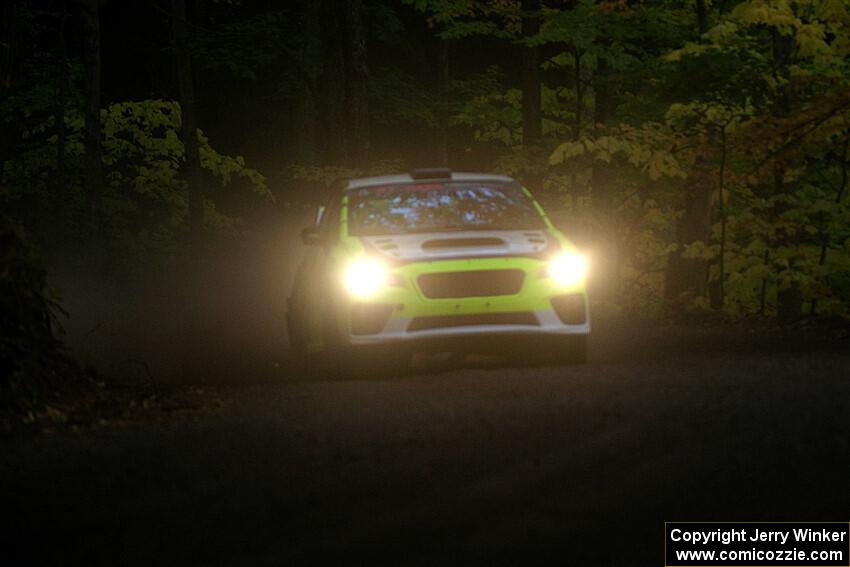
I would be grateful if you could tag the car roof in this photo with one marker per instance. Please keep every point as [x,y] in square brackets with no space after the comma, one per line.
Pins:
[408,178]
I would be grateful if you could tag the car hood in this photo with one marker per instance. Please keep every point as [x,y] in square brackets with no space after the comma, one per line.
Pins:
[459,244]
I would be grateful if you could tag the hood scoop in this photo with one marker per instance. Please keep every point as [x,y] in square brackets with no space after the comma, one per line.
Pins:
[475,242]
[451,245]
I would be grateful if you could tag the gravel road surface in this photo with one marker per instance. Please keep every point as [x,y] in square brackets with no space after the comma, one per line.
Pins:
[463,462]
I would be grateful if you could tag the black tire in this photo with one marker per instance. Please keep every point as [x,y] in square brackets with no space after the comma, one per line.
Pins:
[338,360]
[295,329]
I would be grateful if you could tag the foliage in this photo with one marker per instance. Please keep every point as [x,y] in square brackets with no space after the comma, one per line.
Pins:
[781,222]
[33,363]
[397,98]
[145,200]
[646,117]
[316,182]
[702,157]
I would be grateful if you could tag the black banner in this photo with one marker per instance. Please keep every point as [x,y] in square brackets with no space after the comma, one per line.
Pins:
[757,544]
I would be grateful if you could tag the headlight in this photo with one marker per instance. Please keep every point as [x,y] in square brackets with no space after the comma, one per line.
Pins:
[364,277]
[568,269]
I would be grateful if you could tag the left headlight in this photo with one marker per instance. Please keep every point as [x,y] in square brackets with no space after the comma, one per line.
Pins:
[364,277]
[568,269]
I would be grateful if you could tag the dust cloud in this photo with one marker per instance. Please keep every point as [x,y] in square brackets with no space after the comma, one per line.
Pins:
[134,326]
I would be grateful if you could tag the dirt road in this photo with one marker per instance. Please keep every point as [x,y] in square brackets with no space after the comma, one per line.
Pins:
[470,463]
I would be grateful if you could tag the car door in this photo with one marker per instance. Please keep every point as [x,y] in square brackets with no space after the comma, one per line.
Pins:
[310,300]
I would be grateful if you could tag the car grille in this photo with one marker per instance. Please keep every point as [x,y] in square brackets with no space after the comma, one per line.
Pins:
[482,283]
[461,243]
[443,321]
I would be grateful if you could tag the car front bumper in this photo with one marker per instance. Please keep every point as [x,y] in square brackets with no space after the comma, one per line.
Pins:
[398,329]
[407,311]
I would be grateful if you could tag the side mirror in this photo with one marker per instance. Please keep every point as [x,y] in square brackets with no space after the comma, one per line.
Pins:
[310,236]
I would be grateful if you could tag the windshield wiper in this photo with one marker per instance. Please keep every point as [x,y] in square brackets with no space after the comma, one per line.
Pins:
[438,229]
[454,228]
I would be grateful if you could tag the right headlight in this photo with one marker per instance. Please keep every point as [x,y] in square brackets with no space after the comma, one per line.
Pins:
[568,269]
[364,277]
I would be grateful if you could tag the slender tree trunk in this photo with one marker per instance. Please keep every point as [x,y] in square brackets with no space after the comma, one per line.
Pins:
[579,93]
[357,84]
[719,302]
[334,127]
[201,10]
[702,17]
[789,298]
[9,40]
[824,244]
[92,139]
[307,111]
[9,10]
[603,191]
[443,117]
[605,104]
[763,291]
[684,278]
[61,97]
[605,101]
[188,117]
[193,336]
[532,113]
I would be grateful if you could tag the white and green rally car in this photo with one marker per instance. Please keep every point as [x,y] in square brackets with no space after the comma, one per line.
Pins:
[437,260]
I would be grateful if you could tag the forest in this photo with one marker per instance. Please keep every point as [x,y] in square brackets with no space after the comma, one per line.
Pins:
[178,387]
[697,149]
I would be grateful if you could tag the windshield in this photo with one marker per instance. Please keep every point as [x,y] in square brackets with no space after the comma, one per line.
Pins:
[436,207]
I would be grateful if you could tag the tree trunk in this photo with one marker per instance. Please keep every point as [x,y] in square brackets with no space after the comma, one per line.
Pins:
[93,177]
[357,85]
[605,105]
[443,109]
[702,17]
[719,299]
[307,110]
[188,117]
[194,354]
[61,97]
[842,186]
[9,44]
[789,302]
[603,192]
[532,114]
[763,291]
[789,298]
[579,93]
[334,128]
[685,277]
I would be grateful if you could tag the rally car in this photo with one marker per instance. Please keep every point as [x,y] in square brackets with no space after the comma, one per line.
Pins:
[437,260]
